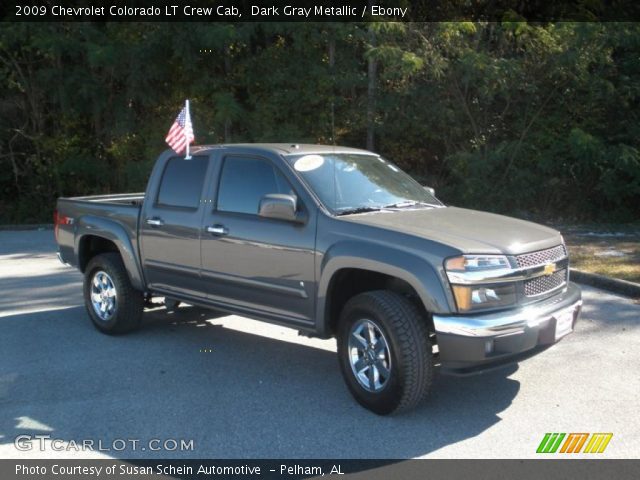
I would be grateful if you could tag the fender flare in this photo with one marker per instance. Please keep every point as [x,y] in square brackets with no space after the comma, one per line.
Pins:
[415,270]
[114,232]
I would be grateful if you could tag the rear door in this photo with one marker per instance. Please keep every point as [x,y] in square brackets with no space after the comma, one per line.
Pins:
[260,265]
[170,226]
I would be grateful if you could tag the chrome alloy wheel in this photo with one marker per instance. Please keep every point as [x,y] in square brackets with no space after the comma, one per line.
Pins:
[369,355]
[103,295]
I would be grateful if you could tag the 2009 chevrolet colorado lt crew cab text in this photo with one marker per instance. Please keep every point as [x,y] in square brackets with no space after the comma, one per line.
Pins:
[331,241]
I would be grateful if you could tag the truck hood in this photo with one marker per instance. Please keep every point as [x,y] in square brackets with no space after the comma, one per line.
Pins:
[470,231]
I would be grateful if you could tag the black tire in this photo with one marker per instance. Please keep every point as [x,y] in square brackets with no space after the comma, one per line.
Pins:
[128,305]
[409,352]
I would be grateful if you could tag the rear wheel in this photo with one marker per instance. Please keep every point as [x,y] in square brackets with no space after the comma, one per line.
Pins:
[111,301]
[384,352]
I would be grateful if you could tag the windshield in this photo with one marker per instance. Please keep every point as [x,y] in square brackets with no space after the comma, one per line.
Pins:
[352,183]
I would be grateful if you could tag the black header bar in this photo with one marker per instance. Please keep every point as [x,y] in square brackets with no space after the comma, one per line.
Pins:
[318,10]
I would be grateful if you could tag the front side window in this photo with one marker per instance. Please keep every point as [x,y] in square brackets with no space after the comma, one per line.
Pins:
[182,181]
[244,181]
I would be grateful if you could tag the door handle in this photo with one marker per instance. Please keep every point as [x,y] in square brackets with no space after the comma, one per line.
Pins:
[156,222]
[218,230]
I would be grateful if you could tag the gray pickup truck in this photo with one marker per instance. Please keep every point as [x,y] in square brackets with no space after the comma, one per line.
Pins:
[333,242]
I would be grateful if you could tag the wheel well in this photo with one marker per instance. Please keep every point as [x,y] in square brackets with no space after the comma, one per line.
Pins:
[90,246]
[349,282]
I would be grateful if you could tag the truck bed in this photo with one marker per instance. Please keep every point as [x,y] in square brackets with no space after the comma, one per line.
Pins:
[90,212]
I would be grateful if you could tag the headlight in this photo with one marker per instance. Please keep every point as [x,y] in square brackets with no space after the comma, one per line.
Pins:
[475,280]
[470,263]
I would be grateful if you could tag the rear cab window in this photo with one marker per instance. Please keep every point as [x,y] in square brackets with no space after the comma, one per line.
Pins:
[182,182]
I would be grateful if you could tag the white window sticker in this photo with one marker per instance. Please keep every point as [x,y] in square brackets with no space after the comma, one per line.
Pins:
[308,163]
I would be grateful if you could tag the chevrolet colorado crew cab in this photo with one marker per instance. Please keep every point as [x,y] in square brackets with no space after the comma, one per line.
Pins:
[334,242]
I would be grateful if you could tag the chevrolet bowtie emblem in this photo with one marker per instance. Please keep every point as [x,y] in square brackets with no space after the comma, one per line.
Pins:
[549,269]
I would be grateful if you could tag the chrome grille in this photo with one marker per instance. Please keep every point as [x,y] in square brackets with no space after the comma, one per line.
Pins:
[541,257]
[546,283]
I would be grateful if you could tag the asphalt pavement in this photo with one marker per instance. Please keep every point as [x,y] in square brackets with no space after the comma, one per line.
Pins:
[230,387]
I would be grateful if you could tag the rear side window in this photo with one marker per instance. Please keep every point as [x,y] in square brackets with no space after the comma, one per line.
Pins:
[181,184]
[244,181]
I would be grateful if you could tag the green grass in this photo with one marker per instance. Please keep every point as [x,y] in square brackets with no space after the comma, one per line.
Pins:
[612,251]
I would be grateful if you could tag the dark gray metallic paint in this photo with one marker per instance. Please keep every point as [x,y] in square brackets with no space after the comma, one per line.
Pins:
[111,221]
[281,271]
[469,231]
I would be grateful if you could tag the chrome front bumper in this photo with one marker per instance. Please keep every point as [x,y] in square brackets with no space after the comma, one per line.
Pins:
[470,343]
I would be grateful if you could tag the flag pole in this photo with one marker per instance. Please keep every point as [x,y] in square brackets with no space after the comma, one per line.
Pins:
[188,116]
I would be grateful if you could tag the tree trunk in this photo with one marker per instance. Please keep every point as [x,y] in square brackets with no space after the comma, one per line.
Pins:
[371,88]
[332,63]
[227,74]
[227,131]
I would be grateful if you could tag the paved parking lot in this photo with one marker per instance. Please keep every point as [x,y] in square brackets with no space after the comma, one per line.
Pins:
[243,389]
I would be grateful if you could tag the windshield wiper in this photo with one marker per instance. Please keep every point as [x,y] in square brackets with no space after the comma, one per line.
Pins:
[359,210]
[410,203]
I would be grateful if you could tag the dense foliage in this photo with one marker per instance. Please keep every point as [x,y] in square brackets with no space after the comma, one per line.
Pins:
[531,119]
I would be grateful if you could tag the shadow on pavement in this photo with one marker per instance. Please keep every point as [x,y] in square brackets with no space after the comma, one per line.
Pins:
[249,396]
[62,289]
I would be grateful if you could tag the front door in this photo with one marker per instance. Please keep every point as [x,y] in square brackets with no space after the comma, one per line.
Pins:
[259,265]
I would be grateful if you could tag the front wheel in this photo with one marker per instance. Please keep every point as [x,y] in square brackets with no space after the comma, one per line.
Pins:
[384,352]
[111,301]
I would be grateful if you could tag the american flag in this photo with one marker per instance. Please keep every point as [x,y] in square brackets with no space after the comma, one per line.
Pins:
[181,132]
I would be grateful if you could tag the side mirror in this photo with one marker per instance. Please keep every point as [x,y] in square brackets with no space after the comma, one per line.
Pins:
[430,190]
[276,205]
